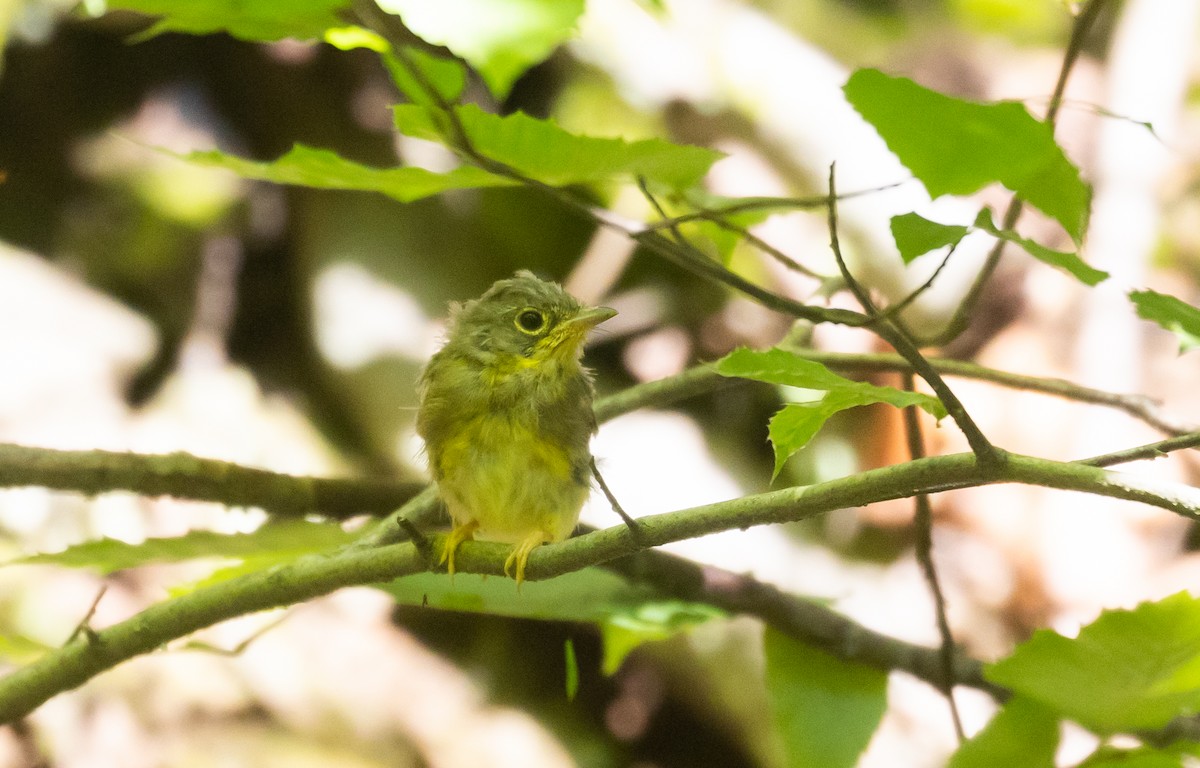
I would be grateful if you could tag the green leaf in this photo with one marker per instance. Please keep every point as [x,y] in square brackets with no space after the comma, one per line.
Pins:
[958,147]
[587,596]
[1126,671]
[266,20]
[542,150]
[500,38]
[287,539]
[632,626]
[1064,260]
[628,615]
[19,649]
[1178,317]
[916,235]
[1144,757]
[797,423]
[1023,733]
[825,710]
[572,664]
[714,239]
[446,77]
[778,366]
[323,169]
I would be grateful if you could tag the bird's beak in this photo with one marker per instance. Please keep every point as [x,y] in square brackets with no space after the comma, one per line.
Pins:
[589,318]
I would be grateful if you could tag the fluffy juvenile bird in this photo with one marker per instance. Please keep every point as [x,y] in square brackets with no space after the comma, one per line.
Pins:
[506,415]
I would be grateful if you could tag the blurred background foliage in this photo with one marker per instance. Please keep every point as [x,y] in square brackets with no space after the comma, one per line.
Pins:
[285,327]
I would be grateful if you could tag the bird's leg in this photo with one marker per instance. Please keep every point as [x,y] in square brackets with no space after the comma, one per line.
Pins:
[520,555]
[458,535]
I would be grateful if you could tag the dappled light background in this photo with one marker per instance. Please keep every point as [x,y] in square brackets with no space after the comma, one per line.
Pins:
[151,305]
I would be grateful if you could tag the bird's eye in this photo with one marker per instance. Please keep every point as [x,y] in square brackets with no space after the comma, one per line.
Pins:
[531,321]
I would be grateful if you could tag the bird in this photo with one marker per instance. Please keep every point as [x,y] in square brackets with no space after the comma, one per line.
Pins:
[505,411]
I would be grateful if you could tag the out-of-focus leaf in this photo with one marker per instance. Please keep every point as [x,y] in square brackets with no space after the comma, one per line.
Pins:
[323,169]
[705,232]
[572,663]
[825,709]
[265,20]
[635,625]
[1126,671]
[916,235]
[285,539]
[542,150]
[1178,317]
[587,596]
[1064,260]
[19,649]
[1144,757]
[628,615]
[1023,733]
[349,38]
[958,147]
[797,423]
[500,38]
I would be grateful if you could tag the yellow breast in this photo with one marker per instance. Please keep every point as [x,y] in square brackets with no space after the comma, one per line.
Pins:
[500,472]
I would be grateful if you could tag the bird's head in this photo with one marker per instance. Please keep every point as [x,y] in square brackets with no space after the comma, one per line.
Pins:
[528,318]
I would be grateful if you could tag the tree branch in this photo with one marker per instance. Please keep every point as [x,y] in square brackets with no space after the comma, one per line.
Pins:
[63,669]
[188,477]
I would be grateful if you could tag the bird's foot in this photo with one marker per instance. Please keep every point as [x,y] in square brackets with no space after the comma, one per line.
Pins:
[458,535]
[520,556]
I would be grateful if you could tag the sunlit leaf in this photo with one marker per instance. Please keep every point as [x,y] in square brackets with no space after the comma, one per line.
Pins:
[916,235]
[1178,317]
[958,147]
[825,710]
[1126,671]
[1064,260]
[286,539]
[500,38]
[447,77]
[1023,733]
[544,151]
[796,424]
[266,20]
[19,649]
[323,169]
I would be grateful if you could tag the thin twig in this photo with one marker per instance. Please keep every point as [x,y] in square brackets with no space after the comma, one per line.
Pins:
[631,523]
[84,627]
[1142,452]
[893,311]
[923,523]
[856,288]
[916,447]
[1140,407]
[672,227]
[987,454]
[240,648]
[745,205]
[779,256]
